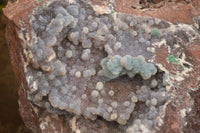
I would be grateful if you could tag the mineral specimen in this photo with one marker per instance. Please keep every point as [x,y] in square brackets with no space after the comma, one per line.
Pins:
[94,65]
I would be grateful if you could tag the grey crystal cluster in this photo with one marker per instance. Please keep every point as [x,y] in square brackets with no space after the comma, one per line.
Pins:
[94,65]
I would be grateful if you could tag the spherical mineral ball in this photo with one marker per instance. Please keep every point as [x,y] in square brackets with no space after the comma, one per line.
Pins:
[99,86]
[94,93]
[78,74]
[134,99]
[154,83]
[113,116]
[68,54]
[111,93]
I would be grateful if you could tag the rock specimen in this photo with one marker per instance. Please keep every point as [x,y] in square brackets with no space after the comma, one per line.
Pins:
[83,63]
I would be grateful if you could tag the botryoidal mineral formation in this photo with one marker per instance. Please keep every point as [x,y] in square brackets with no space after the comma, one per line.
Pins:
[94,64]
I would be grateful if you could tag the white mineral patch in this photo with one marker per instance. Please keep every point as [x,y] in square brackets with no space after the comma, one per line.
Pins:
[68,54]
[117,46]
[154,101]
[100,101]
[78,74]
[114,104]
[111,93]
[126,103]
[109,109]
[84,96]
[99,86]
[134,99]
[113,116]
[94,93]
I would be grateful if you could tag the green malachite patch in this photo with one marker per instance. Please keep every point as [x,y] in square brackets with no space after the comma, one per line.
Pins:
[112,12]
[156,32]
[118,66]
[172,59]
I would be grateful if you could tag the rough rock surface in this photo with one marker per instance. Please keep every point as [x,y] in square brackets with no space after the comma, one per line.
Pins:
[83,66]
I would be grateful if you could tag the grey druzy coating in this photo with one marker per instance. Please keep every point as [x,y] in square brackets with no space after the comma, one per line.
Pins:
[96,65]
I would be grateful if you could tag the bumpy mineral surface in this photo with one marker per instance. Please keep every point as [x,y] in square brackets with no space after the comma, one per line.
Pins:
[102,65]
